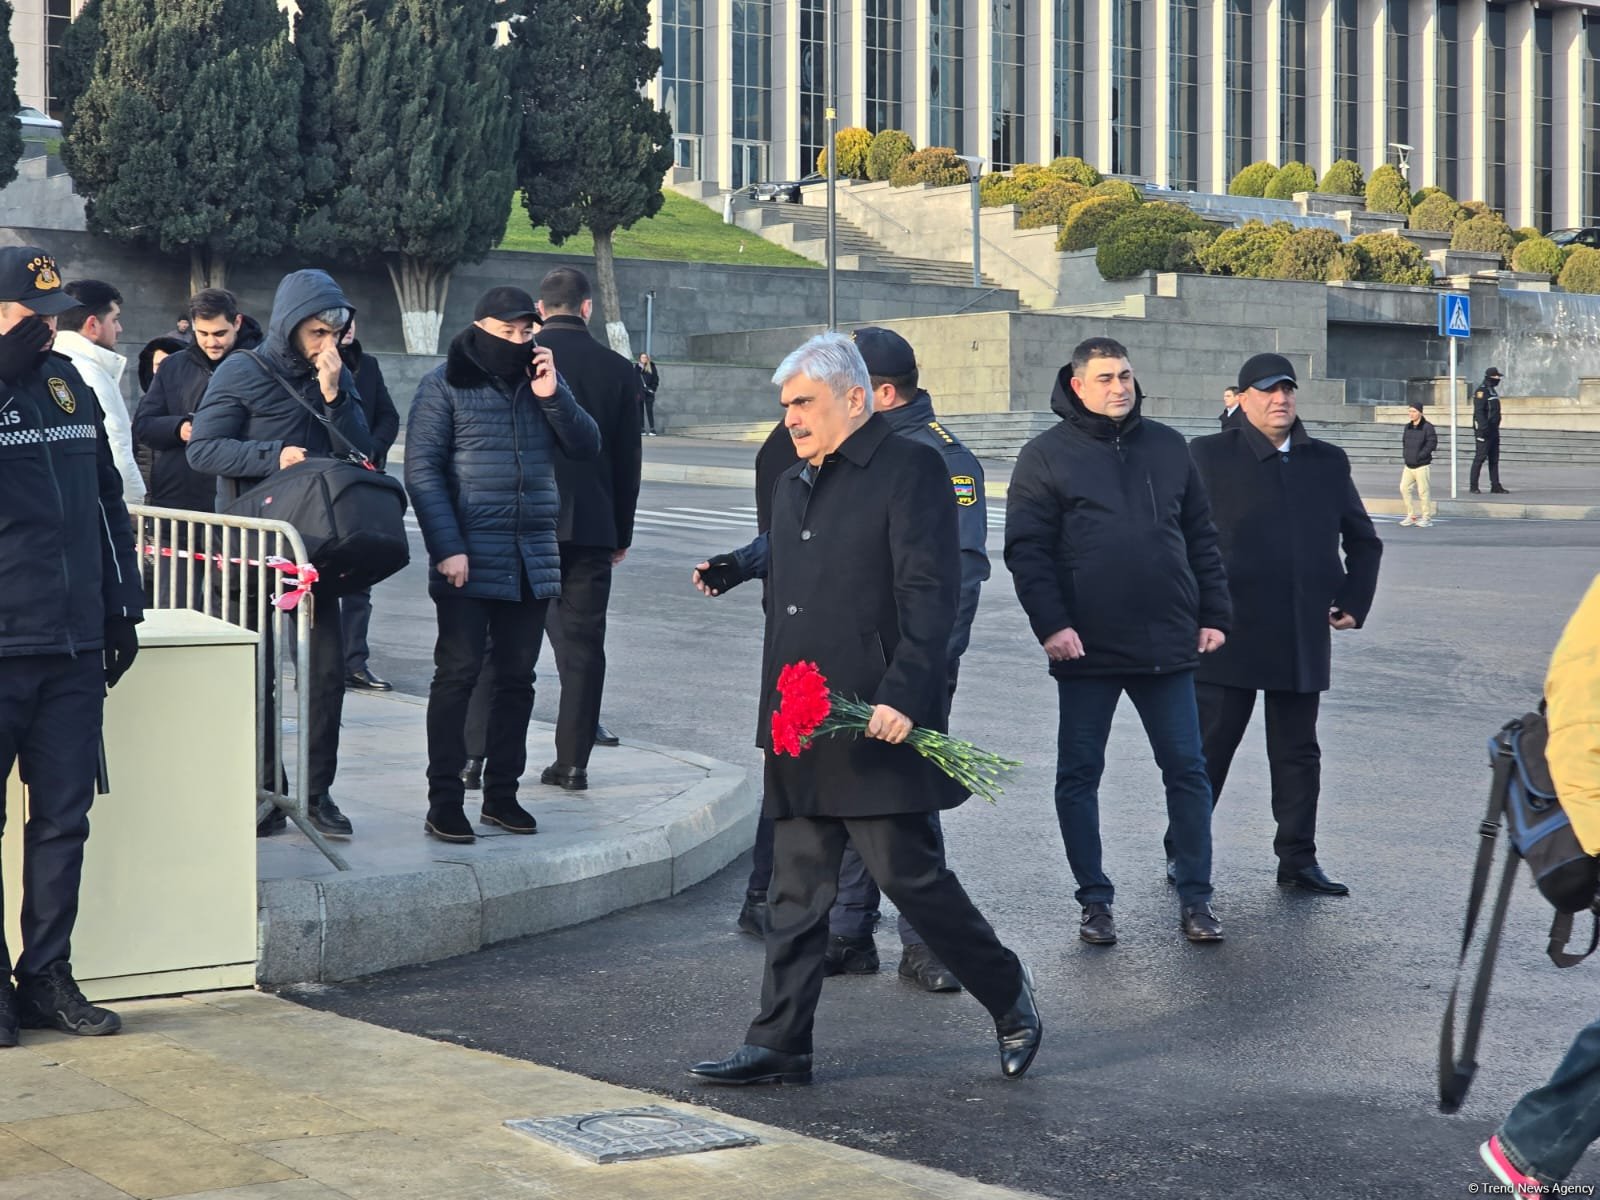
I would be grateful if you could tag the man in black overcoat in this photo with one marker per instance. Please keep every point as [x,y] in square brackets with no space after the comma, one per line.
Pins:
[1284,505]
[864,581]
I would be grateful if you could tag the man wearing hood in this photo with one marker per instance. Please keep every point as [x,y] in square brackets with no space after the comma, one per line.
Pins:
[1114,557]
[246,429]
[87,334]
[481,441]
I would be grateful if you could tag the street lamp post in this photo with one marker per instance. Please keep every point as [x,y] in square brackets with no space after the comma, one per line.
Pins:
[975,168]
[831,112]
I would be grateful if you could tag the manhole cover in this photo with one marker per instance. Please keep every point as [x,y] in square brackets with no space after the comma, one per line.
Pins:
[626,1134]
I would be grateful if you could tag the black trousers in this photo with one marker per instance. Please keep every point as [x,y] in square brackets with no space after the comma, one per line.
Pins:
[1294,759]
[51,708]
[320,744]
[647,411]
[580,649]
[466,624]
[904,855]
[1487,450]
[355,614]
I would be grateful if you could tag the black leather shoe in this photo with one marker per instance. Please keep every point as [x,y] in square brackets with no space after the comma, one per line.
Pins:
[472,774]
[572,779]
[510,816]
[1473,489]
[448,823]
[1200,924]
[366,681]
[1097,928]
[1019,1031]
[755,1064]
[8,1014]
[1500,491]
[604,736]
[326,818]
[919,965]
[753,915]
[53,1001]
[275,821]
[1312,880]
[850,956]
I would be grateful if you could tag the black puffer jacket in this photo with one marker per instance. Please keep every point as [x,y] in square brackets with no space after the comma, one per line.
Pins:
[479,467]
[1109,533]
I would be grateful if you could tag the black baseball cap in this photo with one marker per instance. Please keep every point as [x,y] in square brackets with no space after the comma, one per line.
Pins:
[505,304]
[1262,371]
[1493,373]
[28,275]
[886,353]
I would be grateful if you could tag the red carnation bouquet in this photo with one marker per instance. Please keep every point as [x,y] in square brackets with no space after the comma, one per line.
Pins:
[809,711]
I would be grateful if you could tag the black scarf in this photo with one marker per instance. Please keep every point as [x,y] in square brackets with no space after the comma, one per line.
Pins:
[505,360]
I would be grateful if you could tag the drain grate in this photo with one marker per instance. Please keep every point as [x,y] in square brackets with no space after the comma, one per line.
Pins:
[628,1134]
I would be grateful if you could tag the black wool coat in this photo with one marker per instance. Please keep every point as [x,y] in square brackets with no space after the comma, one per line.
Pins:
[383,419]
[864,581]
[1282,520]
[598,494]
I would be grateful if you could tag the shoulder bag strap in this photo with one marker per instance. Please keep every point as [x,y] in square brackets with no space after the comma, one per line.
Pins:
[333,430]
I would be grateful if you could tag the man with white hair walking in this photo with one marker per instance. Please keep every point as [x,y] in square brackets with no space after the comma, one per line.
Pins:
[863,580]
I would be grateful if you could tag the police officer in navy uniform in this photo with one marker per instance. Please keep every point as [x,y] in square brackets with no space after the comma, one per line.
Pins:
[70,597]
[1486,430]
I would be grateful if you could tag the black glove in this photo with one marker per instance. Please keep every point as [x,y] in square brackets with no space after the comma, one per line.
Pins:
[21,347]
[122,647]
[722,573]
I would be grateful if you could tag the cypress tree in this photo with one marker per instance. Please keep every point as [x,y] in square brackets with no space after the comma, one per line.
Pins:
[423,133]
[187,136]
[594,149]
[10,127]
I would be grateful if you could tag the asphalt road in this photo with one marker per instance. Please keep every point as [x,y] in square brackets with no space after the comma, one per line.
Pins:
[1294,1060]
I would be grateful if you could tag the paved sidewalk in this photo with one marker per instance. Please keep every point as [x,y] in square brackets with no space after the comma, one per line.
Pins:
[244,1096]
[654,821]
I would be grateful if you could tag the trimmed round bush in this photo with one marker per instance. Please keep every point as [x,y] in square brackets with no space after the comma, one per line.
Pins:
[1292,177]
[1246,251]
[1119,188]
[1343,178]
[1387,191]
[851,146]
[1089,218]
[1050,204]
[1486,233]
[1437,212]
[1185,251]
[1525,233]
[937,165]
[1306,254]
[1074,170]
[1140,239]
[1477,208]
[1538,256]
[886,151]
[1014,186]
[1582,271]
[1388,258]
[1421,194]
[1253,180]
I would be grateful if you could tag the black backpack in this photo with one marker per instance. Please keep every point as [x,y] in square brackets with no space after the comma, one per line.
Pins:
[349,514]
[1522,797]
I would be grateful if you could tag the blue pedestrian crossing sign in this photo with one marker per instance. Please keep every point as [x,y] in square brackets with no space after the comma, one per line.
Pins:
[1455,315]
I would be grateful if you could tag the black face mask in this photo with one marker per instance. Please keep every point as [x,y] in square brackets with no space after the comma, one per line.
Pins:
[501,358]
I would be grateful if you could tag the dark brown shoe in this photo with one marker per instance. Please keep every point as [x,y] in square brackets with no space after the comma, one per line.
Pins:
[1200,924]
[1097,927]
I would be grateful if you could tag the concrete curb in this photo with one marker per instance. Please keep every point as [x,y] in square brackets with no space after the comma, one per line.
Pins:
[338,926]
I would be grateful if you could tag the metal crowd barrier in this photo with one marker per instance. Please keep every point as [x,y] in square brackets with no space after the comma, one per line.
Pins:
[222,566]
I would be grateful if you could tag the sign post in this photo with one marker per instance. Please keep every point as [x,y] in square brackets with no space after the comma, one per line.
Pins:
[1455,323]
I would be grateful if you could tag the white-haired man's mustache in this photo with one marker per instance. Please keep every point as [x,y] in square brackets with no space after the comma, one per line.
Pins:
[797,434]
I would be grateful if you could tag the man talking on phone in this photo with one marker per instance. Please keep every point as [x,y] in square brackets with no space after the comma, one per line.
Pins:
[481,440]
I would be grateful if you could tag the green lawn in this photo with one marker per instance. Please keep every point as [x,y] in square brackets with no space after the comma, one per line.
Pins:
[683,231]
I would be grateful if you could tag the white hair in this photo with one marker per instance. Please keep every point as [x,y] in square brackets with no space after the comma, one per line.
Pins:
[336,317]
[829,358]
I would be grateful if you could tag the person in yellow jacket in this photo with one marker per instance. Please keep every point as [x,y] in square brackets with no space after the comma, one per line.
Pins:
[1548,1130]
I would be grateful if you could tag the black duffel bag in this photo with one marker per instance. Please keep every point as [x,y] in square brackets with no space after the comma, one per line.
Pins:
[349,514]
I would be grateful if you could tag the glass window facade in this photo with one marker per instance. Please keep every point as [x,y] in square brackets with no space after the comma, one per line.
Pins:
[751,123]
[1008,70]
[1544,118]
[1397,54]
[1240,114]
[947,84]
[1346,81]
[884,29]
[57,16]
[1591,120]
[683,67]
[1127,86]
[1070,63]
[1183,116]
[1498,67]
[813,122]
[1447,133]
[1292,80]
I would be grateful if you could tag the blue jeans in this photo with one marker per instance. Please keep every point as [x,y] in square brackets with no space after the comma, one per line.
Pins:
[1548,1130]
[1166,705]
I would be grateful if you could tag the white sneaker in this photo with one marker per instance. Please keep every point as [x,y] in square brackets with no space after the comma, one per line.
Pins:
[1409,520]
[1424,524]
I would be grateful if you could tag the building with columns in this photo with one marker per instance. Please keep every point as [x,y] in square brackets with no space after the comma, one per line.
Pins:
[1497,102]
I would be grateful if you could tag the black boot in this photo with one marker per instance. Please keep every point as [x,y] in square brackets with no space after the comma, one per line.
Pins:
[326,818]
[754,917]
[448,823]
[472,774]
[53,1001]
[510,816]
[275,821]
[1019,1031]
